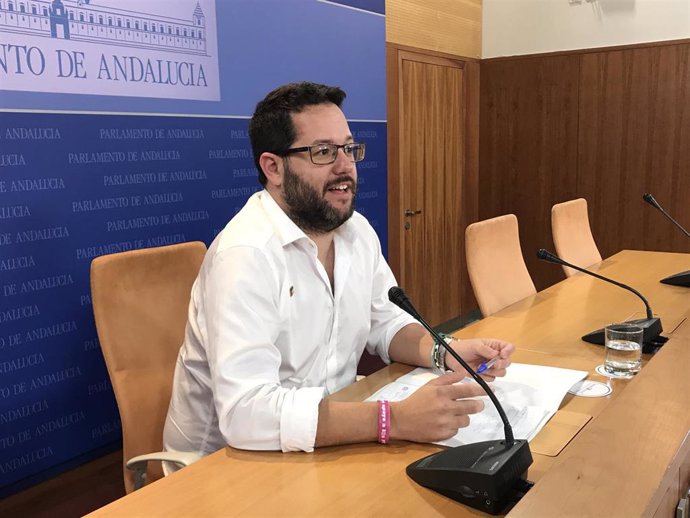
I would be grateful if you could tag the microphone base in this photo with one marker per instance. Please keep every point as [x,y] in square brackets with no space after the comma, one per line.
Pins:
[651,334]
[679,279]
[486,475]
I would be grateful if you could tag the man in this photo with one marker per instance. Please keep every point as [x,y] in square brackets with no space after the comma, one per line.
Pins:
[289,295]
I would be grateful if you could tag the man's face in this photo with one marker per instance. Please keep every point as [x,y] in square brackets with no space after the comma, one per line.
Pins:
[319,198]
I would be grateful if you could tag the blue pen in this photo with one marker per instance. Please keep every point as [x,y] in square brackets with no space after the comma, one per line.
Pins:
[485,366]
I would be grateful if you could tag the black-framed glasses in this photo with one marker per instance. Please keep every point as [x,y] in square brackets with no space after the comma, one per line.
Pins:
[324,154]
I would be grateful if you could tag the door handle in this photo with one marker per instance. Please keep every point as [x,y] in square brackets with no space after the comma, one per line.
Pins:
[410,212]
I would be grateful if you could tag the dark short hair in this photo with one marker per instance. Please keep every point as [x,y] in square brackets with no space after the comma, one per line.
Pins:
[271,128]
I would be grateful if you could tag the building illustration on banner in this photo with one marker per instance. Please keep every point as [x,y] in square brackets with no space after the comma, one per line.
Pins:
[85,46]
[79,20]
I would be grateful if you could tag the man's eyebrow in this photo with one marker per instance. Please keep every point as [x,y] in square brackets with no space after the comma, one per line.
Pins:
[348,140]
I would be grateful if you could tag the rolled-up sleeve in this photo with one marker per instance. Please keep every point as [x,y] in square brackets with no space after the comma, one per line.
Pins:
[299,419]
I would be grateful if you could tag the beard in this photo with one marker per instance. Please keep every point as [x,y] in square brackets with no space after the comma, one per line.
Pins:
[308,208]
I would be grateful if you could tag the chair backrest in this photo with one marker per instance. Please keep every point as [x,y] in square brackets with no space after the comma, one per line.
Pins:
[572,235]
[140,302]
[497,269]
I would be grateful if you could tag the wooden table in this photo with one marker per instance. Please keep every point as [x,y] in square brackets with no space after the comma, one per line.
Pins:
[631,459]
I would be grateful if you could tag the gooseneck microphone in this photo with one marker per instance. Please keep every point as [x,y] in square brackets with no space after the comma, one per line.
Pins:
[679,279]
[398,297]
[545,255]
[485,475]
[650,199]
[651,326]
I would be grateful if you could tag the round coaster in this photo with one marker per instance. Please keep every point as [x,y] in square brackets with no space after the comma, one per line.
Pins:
[589,388]
[601,370]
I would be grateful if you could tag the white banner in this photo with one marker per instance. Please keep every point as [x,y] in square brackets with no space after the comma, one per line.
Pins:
[156,48]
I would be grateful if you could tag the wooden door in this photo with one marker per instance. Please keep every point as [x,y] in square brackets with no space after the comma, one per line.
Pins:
[428,148]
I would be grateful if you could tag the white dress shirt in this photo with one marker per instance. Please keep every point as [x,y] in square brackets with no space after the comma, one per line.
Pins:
[267,338]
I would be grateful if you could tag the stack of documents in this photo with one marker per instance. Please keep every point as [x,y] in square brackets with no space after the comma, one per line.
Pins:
[529,394]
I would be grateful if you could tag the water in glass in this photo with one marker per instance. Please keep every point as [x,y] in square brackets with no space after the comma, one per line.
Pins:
[623,357]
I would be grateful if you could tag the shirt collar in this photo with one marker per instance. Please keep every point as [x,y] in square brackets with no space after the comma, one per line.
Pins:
[286,228]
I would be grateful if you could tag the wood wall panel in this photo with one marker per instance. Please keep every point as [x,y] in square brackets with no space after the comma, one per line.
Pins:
[606,125]
[528,147]
[450,26]
[470,179]
[635,125]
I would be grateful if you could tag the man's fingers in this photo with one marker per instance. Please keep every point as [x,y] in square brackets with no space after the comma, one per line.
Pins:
[498,370]
[501,365]
[464,390]
[448,379]
[461,421]
[467,406]
[507,350]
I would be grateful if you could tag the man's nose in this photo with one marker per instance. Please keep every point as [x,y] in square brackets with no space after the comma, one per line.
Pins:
[343,163]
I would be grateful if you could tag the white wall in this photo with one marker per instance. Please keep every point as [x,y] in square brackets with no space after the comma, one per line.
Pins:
[514,27]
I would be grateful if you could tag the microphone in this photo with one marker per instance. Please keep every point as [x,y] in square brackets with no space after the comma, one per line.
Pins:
[398,297]
[651,326]
[652,201]
[486,475]
[679,279]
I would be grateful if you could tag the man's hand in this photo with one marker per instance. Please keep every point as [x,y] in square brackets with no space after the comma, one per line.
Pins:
[436,410]
[475,351]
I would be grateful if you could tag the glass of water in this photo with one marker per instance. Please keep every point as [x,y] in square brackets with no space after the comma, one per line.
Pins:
[623,350]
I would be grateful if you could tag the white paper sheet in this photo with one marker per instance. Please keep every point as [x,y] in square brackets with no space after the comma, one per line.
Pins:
[529,394]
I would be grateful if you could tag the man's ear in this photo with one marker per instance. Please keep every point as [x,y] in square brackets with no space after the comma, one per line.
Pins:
[272,166]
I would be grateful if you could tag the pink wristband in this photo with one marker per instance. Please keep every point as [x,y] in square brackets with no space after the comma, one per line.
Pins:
[384,421]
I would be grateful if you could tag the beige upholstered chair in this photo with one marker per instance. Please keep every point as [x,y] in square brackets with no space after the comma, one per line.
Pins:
[497,269]
[572,235]
[140,300]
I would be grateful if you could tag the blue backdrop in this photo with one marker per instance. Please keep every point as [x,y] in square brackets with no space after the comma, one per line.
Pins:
[75,184]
